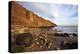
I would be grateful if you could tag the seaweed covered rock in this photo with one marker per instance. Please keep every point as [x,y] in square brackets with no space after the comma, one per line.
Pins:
[24,39]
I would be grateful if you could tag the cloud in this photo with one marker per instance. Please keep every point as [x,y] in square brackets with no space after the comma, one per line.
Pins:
[61,14]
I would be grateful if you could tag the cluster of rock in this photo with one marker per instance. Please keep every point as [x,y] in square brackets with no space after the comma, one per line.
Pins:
[65,34]
[67,45]
[43,40]
[40,39]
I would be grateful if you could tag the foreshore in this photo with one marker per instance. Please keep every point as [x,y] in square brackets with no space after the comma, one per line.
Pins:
[42,39]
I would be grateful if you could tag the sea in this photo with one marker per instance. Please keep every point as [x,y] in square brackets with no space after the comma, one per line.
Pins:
[67,29]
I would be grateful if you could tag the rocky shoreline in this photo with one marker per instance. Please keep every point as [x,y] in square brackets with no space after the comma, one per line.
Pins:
[36,39]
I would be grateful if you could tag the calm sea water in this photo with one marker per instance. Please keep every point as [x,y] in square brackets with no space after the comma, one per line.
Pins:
[69,29]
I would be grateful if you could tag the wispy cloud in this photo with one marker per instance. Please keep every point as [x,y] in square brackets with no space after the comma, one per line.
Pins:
[61,14]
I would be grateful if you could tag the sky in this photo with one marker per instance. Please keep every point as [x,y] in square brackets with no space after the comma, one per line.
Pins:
[60,14]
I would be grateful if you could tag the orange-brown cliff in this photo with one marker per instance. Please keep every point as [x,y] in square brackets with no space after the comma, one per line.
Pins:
[22,17]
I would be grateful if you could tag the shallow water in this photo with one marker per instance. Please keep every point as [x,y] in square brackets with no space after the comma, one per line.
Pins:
[68,29]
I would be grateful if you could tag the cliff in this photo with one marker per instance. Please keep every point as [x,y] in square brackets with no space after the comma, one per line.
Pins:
[21,17]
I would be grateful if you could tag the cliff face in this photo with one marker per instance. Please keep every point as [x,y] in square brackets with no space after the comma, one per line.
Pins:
[22,17]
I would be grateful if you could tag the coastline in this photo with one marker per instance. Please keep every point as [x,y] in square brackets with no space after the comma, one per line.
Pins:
[44,39]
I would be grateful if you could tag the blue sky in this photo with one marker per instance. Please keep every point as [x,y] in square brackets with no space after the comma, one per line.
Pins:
[60,14]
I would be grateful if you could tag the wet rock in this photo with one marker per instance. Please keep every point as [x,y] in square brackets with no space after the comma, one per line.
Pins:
[74,34]
[66,34]
[73,45]
[24,39]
